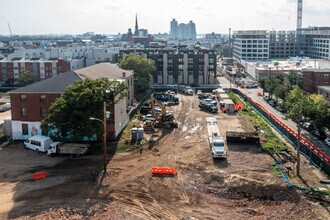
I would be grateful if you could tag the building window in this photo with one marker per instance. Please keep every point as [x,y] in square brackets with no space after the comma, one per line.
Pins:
[42,98]
[25,129]
[43,112]
[23,112]
[23,98]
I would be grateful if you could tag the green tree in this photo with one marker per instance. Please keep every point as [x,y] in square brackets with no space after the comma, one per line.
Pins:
[142,68]
[281,91]
[69,114]
[294,79]
[271,84]
[298,104]
[318,111]
[26,77]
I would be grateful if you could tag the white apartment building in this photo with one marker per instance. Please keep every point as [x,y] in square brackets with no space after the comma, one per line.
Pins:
[251,45]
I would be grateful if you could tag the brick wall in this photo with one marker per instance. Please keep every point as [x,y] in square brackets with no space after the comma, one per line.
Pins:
[33,105]
[312,79]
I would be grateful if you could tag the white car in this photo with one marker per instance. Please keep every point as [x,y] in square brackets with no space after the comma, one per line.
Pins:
[327,141]
[199,92]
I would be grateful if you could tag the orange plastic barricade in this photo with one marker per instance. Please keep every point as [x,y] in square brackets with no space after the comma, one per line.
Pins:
[40,175]
[238,106]
[163,170]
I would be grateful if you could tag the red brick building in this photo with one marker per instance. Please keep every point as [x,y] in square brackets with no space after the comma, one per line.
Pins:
[30,104]
[312,78]
[43,69]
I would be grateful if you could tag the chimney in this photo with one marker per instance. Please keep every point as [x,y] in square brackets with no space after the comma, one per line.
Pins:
[124,75]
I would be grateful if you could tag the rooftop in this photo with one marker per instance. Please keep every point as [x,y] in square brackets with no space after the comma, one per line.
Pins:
[324,88]
[57,84]
[292,64]
[110,71]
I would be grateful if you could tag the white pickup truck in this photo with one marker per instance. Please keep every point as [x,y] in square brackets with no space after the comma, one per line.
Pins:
[217,144]
[58,148]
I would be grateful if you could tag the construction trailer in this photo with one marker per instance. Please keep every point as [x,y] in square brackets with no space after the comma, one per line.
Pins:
[217,144]
[229,105]
[218,93]
[224,96]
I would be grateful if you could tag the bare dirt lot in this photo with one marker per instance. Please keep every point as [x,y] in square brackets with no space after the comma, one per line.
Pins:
[241,187]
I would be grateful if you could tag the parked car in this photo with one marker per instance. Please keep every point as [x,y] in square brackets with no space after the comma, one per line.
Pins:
[319,134]
[327,141]
[5,107]
[272,102]
[307,126]
[280,108]
[199,92]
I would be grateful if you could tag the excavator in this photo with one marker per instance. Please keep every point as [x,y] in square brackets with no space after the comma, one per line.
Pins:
[163,120]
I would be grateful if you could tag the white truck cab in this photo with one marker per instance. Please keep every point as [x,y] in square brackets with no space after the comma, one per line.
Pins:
[217,144]
[53,148]
[218,148]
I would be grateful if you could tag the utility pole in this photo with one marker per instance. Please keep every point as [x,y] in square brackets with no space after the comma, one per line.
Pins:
[105,136]
[298,138]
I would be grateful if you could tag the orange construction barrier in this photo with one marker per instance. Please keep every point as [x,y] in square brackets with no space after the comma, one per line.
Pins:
[238,106]
[163,170]
[40,175]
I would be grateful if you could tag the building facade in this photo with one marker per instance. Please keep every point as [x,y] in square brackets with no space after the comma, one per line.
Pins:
[180,66]
[314,43]
[30,104]
[43,69]
[251,45]
[313,78]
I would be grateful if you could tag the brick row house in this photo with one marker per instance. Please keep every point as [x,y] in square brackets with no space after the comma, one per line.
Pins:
[30,104]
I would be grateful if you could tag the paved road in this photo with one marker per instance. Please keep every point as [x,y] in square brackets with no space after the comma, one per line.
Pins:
[253,94]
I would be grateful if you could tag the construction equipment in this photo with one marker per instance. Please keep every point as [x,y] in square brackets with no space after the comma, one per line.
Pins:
[217,144]
[11,34]
[164,120]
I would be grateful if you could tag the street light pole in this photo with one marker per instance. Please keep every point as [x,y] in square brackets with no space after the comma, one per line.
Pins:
[105,136]
[106,115]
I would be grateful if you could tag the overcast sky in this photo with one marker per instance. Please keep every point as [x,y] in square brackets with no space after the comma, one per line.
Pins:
[116,16]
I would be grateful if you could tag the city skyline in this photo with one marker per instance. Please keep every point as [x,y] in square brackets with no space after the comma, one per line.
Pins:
[112,17]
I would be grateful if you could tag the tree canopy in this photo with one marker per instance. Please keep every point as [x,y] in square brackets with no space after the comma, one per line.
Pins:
[311,108]
[26,77]
[68,116]
[142,68]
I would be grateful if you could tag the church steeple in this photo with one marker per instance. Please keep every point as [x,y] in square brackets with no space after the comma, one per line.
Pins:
[136,32]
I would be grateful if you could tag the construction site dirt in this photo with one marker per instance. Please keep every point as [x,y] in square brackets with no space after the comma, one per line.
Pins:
[243,186]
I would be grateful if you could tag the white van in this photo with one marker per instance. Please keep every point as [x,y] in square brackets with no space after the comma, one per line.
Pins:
[38,143]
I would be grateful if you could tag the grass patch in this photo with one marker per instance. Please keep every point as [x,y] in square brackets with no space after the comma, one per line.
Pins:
[234,97]
[270,143]
[124,142]
[275,170]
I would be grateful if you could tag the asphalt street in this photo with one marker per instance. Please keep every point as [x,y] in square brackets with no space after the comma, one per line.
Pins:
[253,93]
